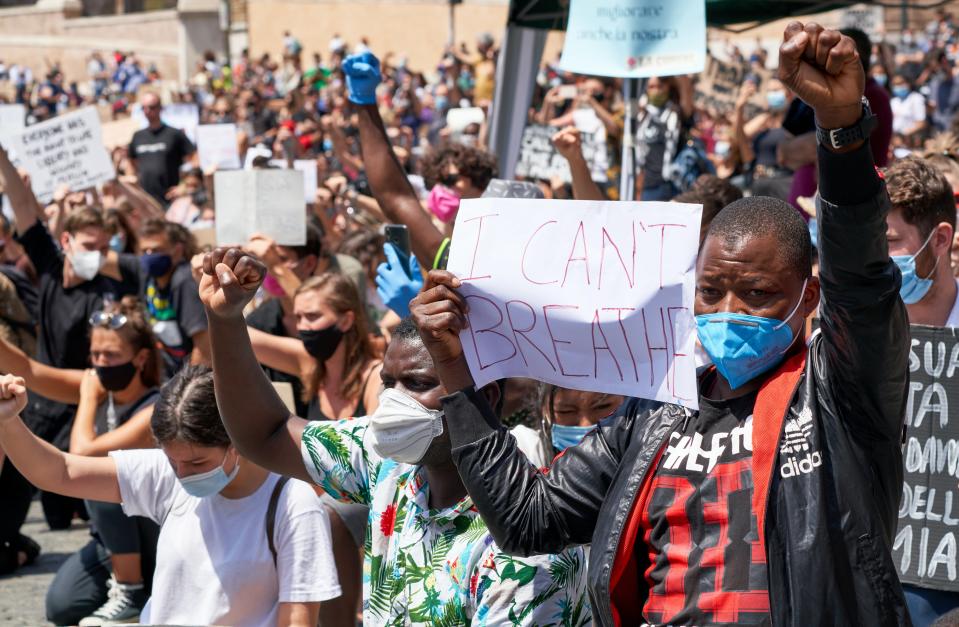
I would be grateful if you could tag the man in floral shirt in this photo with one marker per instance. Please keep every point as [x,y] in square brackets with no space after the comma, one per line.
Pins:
[429,556]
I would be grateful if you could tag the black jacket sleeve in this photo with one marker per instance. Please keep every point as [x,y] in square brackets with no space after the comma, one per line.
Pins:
[865,343]
[529,510]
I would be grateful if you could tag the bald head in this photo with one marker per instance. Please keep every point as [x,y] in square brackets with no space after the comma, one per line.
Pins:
[151,108]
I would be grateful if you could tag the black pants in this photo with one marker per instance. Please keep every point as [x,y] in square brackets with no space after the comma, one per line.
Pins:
[15,495]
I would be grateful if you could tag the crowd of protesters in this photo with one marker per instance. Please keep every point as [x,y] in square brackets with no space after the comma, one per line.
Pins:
[145,368]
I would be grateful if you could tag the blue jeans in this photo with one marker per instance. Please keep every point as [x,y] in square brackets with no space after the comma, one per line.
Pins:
[663,191]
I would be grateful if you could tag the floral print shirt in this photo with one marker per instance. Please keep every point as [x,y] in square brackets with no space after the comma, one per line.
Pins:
[437,567]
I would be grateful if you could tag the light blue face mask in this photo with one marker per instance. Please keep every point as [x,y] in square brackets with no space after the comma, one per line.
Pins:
[914,289]
[741,346]
[116,243]
[565,436]
[210,482]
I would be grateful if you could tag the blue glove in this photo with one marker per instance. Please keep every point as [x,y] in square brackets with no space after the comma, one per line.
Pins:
[395,288]
[362,76]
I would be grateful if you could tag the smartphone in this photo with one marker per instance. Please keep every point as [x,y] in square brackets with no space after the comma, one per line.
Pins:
[399,236]
[567,92]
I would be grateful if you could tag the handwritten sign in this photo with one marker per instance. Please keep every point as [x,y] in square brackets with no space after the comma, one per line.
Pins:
[635,38]
[538,159]
[260,201]
[13,118]
[182,115]
[925,544]
[583,294]
[217,147]
[717,88]
[64,150]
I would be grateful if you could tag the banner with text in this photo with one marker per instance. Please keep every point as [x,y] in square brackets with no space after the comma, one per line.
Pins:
[925,544]
[583,294]
[635,38]
[217,147]
[539,159]
[64,150]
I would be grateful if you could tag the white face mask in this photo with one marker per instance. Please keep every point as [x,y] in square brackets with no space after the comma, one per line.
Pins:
[402,429]
[86,263]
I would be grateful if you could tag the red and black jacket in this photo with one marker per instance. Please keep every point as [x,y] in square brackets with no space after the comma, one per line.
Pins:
[827,533]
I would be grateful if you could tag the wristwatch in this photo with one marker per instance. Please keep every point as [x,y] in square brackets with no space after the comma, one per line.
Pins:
[841,137]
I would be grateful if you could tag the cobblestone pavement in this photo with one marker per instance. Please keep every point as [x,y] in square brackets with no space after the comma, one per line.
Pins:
[22,594]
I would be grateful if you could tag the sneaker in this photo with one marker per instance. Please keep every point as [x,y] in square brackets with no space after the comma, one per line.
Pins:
[124,604]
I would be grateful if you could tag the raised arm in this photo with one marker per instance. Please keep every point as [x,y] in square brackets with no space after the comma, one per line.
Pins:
[391,188]
[569,144]
[58,384]
[258,422]
[21,197]
[134,433]
[285,354]
[41,463]
[526,510]
[864,324]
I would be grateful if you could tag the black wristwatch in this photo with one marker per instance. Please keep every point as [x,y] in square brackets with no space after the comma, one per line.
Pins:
[841,137]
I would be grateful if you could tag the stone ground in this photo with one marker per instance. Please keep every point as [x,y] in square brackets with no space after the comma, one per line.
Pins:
[22,594]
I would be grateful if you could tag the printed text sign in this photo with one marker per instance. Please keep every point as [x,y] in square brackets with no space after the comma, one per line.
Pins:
[582,294]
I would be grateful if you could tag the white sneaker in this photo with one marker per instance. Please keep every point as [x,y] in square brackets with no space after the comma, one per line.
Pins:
[124,604]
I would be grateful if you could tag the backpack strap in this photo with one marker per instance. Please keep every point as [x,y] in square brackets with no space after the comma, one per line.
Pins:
[271,514]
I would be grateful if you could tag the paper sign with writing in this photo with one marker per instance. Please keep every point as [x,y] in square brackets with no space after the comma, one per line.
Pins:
[717,88]
[538,159]
[260,201]
[182,115]
[925,544]
[64,150]
[635,38]
[13,118]
[583,294]
[217,147]
[308,168]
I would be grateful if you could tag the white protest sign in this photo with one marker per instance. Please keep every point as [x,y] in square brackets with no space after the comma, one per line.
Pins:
[13,118]
[184,116]
[217,147]
[635,38]
[458,119]
[64,150]
[308,168]
[260,201]
[582,294]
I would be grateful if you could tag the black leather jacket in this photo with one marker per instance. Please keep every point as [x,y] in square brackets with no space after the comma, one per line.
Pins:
[831,509]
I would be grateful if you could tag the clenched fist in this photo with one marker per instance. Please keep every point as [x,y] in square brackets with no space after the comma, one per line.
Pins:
[230,280]
[13,397]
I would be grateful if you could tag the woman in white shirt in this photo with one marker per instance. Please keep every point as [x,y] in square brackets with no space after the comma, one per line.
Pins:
[215,563]
[908,111]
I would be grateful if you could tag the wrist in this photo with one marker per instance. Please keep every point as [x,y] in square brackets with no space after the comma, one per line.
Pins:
[838,117]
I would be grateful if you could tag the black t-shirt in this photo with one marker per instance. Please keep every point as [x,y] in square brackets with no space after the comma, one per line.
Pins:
[700,532]
[176,314]
[159,155]
[268,318]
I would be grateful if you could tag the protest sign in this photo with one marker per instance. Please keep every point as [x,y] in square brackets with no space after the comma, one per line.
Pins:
[717,88]
[64,150]
[217,147]
[868,18]
[13,118]
[182,115]
[308,168]
[924,547]
[635,38]
[583,294]
[538,158]
[269,202]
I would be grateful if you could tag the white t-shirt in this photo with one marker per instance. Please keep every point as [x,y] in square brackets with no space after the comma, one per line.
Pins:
[214,566]
[953,320]
[908,111]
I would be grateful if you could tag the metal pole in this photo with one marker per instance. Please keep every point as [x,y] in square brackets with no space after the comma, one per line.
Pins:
[452,24]
[627,177]
[904,17]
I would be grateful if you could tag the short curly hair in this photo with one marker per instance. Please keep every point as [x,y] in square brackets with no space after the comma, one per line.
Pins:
[477,165]
[921,194]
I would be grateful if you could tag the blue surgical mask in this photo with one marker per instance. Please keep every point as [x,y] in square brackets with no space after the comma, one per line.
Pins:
[776,99]
[880,78]
[116,243]
[913,289]
[211,482]
[327,145]
[741,346]
[565,436]
[814,231]
[900,91]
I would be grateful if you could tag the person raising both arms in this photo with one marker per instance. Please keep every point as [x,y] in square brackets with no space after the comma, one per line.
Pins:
[793,463]
[215,563]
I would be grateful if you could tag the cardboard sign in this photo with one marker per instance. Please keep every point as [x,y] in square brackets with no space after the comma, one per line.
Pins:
[64,150]
[582,294]
[13,118]
[308,168]
[217,147]
[260,201]
[717,88]
[924,548]
[538,159]
[184,116]
[635,38]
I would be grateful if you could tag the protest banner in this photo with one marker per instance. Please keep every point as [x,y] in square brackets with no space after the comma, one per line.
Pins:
[267,201]
[924,547]
[539,159]
[635,38]
[217,147]
[582,294]
[868,18]
[13,118]
[64,150]
[717,88]
[182,115]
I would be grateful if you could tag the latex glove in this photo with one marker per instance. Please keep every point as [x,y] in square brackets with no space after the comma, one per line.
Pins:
[362,76]
[395,288]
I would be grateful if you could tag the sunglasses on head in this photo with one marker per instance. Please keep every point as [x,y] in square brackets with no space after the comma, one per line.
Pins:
[106,320]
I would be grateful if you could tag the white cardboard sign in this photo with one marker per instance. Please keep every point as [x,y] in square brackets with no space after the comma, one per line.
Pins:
[64,150]
[217,147]
[260,201]
[582,294]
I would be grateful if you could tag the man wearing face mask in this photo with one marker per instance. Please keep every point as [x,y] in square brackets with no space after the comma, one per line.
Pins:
[170,294]
[429,556]
[660,132]
[784,487]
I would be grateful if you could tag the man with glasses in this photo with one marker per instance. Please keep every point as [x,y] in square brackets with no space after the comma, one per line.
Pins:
[158,151]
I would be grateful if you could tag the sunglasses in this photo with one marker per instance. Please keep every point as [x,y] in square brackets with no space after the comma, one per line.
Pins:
[112,321]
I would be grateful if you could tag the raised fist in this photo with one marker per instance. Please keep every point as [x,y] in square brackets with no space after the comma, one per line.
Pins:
[230,280]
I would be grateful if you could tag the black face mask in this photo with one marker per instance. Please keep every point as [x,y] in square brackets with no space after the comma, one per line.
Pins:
[322,343]
[116,378]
